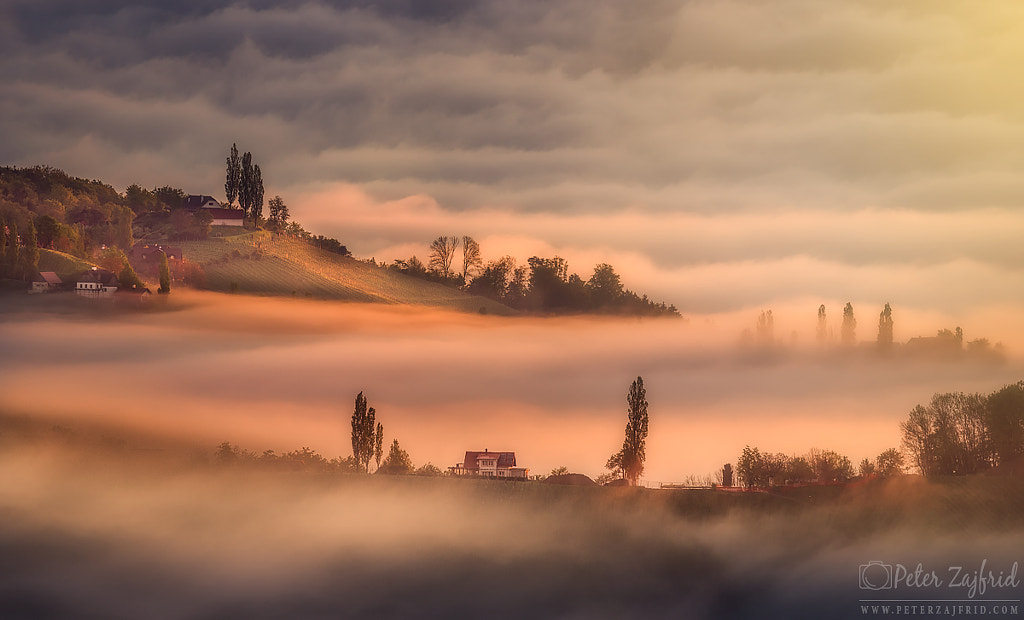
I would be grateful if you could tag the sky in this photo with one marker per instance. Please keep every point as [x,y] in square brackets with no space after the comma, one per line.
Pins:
[723,156]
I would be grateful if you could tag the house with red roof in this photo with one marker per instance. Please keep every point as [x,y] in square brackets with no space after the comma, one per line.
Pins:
[489,464]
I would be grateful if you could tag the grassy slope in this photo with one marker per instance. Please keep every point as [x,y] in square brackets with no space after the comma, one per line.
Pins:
[64,265]
[264,264]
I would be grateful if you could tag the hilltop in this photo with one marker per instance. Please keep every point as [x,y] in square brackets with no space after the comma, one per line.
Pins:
[265,263]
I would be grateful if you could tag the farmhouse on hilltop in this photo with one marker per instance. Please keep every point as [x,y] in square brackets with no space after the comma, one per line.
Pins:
[200,201]
[221,216]
[490,464]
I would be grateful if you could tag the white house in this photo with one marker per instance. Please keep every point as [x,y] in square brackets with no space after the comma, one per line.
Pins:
[227,217]
[97,283]
[45,282]
[490,464]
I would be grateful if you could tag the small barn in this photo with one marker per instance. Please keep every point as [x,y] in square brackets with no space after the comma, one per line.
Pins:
[46,282]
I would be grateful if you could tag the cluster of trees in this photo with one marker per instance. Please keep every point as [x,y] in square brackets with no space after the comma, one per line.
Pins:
[543,285]
[244,181]
[958,433]
[368,443]
[764,469]
[19,254]
[69,214]
[948,342]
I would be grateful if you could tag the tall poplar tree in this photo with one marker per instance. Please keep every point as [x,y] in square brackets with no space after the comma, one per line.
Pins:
[165,275]
[630,459]
[885,327]
[363,433]
[234,175]
[245,194]
[849,325]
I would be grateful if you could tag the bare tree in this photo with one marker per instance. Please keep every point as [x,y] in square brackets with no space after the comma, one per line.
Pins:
[442,252]
[471,260]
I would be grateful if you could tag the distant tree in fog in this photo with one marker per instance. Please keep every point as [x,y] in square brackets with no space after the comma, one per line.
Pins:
[398,461]
[822,325]
[849,333]
[378,447]
[560,471]
[889,463]
[867,467]
[363,433]
[885,328]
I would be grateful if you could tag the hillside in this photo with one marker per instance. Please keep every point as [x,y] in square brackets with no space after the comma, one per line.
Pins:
[261,263]
[64,265]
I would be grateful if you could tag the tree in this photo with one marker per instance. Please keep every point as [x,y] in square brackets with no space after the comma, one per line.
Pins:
[257,195]
[560,471]
[378,444]
[234,176]
[849,333]
[830,466]
[127,278]
[48,231]
[889,463]
[822,333]
[278,213]
[750,468]
[29,259]
[605,286]
[125,236]
[867,467]
[949,436]
[1005,422]
[398,461]
[766,328]
[165,275]
[245,184]
[885,328]
[13,251]
[363,430]
[139,199]
[471,260]
[170,198]
[442,251]
[634,452]
[4,240]
[430,470]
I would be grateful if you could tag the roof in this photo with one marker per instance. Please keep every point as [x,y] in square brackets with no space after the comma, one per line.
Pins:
[505,459]
[226,214]
[102,276]
[49,277]
[193,201]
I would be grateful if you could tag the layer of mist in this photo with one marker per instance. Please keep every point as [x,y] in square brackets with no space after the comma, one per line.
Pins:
[280,374]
